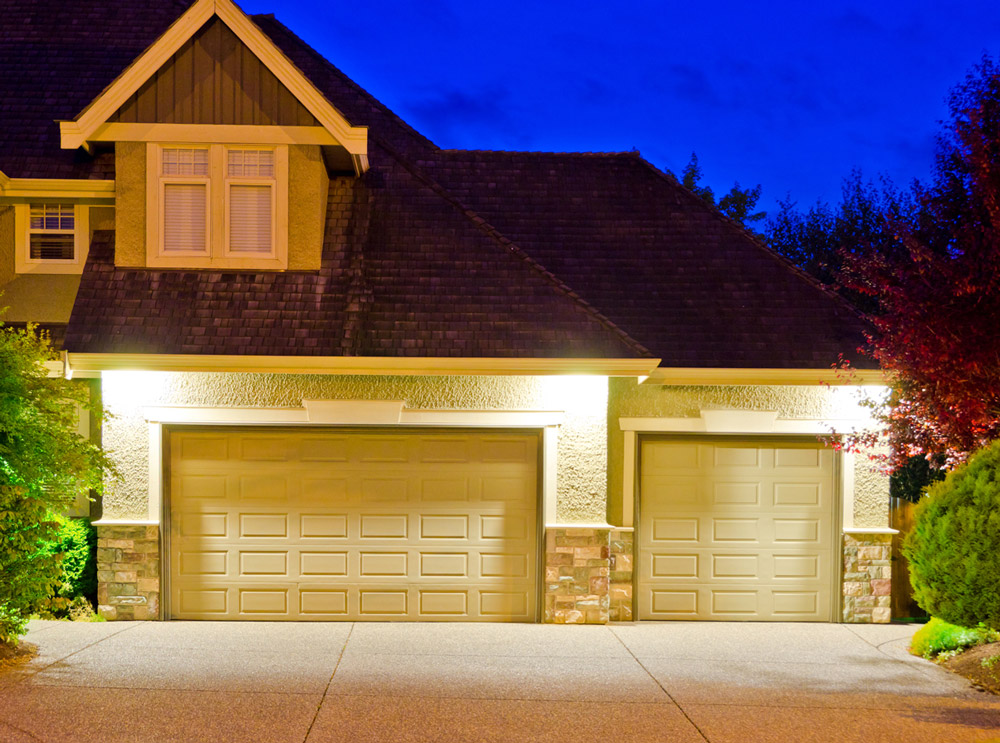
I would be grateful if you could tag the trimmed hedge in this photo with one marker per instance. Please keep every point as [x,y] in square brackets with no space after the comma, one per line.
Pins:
[954,548]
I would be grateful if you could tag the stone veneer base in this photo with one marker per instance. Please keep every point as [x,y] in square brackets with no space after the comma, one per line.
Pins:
[128,571]
[867,582]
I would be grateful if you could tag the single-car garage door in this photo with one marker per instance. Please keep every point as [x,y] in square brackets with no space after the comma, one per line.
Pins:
[736,530]
[329,524]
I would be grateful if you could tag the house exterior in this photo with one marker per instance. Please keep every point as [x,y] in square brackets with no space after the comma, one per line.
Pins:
[356,376]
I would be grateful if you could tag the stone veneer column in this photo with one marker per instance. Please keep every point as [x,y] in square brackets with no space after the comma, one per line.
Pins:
[128,570]
[577,565]
[867,577]
[620,589]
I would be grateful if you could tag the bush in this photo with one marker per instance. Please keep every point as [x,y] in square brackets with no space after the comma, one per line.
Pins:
[937,636]
[954,548]
[44,464]
[76,543]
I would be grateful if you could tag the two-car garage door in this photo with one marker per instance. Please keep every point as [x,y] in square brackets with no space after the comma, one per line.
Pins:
[327,524]
[736,529]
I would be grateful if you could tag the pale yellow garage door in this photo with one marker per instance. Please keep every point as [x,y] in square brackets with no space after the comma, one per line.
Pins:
[324,524]
[736,530]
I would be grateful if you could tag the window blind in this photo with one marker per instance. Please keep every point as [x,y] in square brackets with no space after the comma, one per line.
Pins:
[185,217]
[249,218]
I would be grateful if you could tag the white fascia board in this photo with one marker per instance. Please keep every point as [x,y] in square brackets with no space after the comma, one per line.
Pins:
[697,376]
[368,365]
[56,188]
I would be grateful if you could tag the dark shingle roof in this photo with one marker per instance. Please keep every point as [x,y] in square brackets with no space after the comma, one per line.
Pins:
[55,58]
[429,254]
[685,282]
[404,273]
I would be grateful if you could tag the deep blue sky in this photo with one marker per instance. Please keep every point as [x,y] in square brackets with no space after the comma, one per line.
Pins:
[791,95]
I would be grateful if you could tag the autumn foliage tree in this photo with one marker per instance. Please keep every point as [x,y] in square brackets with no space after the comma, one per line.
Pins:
[936,286]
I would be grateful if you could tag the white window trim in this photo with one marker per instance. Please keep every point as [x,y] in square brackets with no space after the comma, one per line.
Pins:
[217,255]
[24,263]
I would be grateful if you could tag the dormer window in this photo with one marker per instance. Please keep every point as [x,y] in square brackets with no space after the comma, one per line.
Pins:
[218,205]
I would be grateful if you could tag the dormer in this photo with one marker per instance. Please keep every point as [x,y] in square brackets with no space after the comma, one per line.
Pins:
[223,149]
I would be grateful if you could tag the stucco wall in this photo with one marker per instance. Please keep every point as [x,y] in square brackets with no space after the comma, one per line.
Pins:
[627,398]
[6,246]
[308,186]
[130,203]
[101,218]
[581,466]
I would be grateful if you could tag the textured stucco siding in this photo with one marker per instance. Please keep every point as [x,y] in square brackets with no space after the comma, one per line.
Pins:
[101,218]
[130,204]
[6,244]
[627,398]
[308,186]
[581,489]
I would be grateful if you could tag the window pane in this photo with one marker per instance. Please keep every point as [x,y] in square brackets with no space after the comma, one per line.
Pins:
[185,161]
[45,247]
[51,217]
[250,163]
[250,219]
[184,217]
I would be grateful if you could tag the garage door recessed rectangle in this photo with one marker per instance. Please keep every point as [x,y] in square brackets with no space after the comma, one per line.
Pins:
[735,530]
[736,493]
[796,494]
[503,566]
[203,563]
[795,602]
[796,566]
[194,524]
[797,457]
[503,527]
[450,563]
[263,601]
[263,525]
[734,602]
[735,566]
[323,526]
[331,564]
[263,487]
[444,603]
[502,604]
[381,564]
[263,563]
[391,603]
[444,527]
[313,602]
[204,601]
[796,530]
[436,489]
[204,487]
[675,530]
[674,566]
[383,527]
[674,602]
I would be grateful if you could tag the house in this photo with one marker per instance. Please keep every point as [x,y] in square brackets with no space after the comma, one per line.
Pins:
[356,376]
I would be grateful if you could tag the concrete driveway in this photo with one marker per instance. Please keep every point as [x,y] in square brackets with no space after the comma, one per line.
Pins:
[677,682]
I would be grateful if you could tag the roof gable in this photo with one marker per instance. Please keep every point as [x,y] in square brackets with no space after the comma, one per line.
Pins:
[214,78]
[159,55]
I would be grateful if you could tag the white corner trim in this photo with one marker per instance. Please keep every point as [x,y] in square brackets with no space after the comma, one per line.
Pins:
[155,502]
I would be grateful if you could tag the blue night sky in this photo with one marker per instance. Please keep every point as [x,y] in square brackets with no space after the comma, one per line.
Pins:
[791,95]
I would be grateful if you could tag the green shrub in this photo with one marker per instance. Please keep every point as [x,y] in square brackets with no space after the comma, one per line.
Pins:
[954,547]
[44,464]
[937,636]
[76,543]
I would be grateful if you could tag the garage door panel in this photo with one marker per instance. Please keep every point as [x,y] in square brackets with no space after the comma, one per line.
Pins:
[761,547]
[325,535]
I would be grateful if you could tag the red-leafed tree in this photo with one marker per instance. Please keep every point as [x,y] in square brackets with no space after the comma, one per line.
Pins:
[937,290]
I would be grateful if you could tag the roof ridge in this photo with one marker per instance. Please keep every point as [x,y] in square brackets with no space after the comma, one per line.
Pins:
[347,78]
[542,153]
[485,226]
[756,241]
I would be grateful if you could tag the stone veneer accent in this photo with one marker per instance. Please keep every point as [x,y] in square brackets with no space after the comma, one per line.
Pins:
[620,588]
[577,566]
[867,577]
[128,571]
